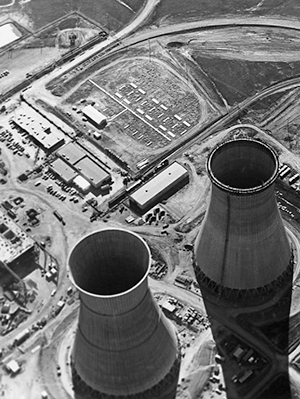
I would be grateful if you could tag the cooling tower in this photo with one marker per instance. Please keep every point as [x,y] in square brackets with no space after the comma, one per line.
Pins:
[124,346]
[243,246]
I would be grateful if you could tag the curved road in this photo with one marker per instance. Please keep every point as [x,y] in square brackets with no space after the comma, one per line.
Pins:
[111,40]
[211,23]
[122,39]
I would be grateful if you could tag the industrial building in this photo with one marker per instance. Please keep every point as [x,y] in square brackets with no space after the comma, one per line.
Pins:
[243,248]
[14,242]
[42,131]
[148,195]
[71,153]
[82,184]
[94,116]
[92,172]
[13,367]
[124,346]
[63,170]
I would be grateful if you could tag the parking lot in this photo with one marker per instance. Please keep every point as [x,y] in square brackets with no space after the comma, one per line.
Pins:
[20,143]
[65,190]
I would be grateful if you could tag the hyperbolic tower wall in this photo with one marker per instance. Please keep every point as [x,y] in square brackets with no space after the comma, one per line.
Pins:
[124,346]
[243,246]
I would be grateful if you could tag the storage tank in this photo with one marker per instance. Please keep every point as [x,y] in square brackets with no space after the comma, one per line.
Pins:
[242,247]
[124,345]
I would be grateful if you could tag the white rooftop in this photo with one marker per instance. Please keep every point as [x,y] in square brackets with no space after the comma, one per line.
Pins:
[46,133]
[82,183]
[159,184]
[92,113]
[13,366]
[168,306]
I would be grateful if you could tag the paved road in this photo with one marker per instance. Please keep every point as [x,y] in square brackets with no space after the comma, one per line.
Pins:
[211,23]
[112,39]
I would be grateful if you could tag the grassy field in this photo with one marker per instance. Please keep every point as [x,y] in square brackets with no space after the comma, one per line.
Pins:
[111,14]
[170,11]
[237,80]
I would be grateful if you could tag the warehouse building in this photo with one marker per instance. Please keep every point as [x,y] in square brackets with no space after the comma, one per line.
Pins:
[160,186]
[94,116]
[71,153]
[63,170]
[40,130]
[92,172]
[75,164]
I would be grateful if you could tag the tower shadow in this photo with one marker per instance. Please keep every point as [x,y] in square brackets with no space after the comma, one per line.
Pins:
[254,337]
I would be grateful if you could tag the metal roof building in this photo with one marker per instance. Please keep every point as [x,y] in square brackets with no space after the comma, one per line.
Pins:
[243,247]
[71,153]
[63,170]
[151,192]
[94,116]
[124,346]
[92,171]
[47,135]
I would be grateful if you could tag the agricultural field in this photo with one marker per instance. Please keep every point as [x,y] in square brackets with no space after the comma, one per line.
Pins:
[170,11]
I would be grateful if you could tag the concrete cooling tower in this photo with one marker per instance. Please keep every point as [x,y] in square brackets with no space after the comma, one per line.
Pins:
[124,346]
[242,247]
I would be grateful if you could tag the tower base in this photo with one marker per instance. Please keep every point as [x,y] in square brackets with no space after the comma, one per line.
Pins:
[165,389]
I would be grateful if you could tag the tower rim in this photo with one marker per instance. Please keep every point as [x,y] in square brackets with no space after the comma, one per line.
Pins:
[119,294]
[236,190]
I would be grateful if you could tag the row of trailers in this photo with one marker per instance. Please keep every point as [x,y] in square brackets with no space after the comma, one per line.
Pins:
[285,170]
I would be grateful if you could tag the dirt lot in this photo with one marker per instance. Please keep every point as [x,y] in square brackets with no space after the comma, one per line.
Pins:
[243,61]
[168,11]
[148,106]
[278,116]
[36,14]
[33,53]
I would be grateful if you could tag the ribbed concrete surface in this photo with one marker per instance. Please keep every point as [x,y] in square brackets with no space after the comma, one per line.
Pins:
[242,243]
[124,344]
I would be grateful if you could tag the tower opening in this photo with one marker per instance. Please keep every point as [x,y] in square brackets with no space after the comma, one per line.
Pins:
[109,262]
[242,165]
